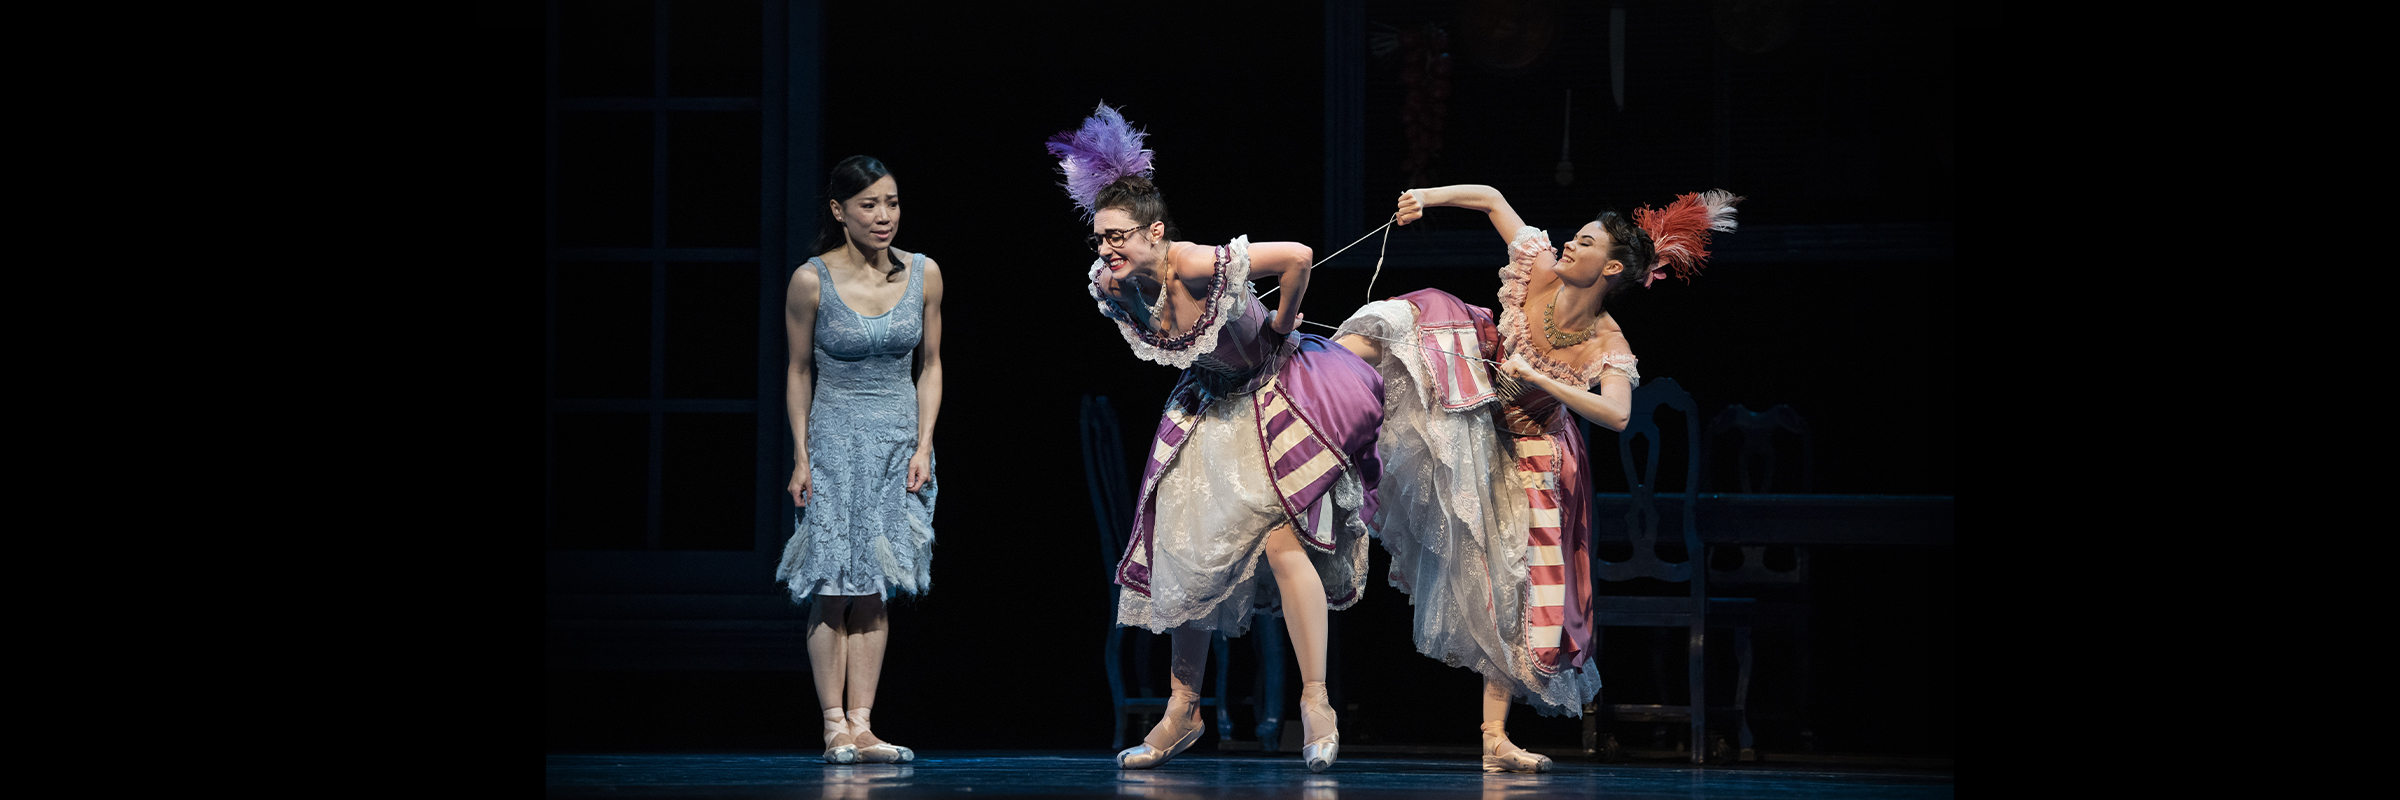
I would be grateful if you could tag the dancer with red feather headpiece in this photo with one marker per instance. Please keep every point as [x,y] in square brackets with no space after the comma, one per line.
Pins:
[1486,505]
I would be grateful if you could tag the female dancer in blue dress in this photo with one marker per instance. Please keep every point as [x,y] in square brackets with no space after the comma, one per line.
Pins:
[1265,452]
[863,443]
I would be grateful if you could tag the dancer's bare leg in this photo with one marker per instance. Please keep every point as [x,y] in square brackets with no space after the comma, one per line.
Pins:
[869,628]
[864,649]
[1304,613]
[1495,702]
[828,663]
[1366,348]
[1500,754]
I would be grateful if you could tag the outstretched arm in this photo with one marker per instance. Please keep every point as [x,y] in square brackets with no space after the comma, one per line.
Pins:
[1473,196]
[929,379]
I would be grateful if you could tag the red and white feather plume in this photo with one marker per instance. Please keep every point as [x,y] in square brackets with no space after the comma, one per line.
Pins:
[1679,233]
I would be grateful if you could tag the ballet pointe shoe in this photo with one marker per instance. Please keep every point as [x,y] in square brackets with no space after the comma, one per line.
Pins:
[1145,756]
[840,748]
[871,748]
[1317,715]
[1502,755]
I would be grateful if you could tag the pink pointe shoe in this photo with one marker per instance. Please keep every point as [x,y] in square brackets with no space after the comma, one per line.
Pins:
[1145,756]
[1502,755]
[839,745]
[872,749]
[1317,715]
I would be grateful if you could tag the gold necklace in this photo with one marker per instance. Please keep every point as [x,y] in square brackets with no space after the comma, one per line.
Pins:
[1166,265]
[1550,326]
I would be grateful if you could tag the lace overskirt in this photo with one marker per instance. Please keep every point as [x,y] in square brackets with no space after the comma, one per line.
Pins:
[1453,517]
[1215,505]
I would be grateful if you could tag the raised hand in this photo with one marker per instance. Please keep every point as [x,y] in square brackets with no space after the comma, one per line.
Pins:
[1411,209]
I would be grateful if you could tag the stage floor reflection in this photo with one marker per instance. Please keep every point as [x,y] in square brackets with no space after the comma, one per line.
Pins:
[1049,774]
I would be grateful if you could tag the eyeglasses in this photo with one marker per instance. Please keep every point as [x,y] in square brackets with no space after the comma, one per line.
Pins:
[1113,237]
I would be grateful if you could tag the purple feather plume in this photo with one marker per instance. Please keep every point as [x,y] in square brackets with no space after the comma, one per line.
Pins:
[1092,157]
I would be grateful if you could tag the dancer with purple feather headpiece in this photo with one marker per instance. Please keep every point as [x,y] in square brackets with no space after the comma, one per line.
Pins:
[1266,451]
[1095,155]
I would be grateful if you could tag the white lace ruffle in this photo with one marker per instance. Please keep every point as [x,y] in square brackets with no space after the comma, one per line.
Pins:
[1529,244]
[1392,323]
[1516,280]
[1225,296]
[1620,361]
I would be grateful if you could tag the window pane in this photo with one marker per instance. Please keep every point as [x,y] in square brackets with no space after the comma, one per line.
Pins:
[712,179]
[711,482]
[603,335]
[604,178]
[604,48]
[715,48]
[712,330]
[600,472]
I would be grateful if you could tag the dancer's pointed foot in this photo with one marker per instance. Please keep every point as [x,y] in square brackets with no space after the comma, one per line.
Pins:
[1174,733]
[840,746]
[1502,755]
[1319,725]
[874,750]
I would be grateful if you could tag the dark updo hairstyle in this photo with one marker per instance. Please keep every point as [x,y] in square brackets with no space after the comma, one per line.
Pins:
[1136,196]
[1630,244]
[848,178]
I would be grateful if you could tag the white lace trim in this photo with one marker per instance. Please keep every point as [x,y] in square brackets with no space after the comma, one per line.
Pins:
[1391,322]
[1227,295]
[1620,361]
[1529,243]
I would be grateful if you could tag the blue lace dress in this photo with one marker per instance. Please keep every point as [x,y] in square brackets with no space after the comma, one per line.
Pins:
[863,532]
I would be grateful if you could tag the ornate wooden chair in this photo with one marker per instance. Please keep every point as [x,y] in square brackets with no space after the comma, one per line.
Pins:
[1691,611]
[1112,508]
[1773,579]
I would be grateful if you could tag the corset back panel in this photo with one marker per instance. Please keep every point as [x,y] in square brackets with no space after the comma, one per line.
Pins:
[1248,353]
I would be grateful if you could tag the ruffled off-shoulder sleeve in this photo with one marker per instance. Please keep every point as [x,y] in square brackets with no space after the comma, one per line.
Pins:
[1225,295]
[1619,360]
[1525,248]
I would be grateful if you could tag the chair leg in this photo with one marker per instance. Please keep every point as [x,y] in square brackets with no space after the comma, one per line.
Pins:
[1272,650]
[1591,710]
[1741,689]
[1141,655]
[1808,732]
[1224,656]
[1112,661]
[1697,678]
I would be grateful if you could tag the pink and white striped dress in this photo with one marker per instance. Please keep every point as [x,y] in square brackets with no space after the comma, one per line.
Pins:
[1486,500]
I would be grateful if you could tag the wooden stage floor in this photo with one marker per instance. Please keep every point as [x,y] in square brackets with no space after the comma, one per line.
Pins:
[1025,773]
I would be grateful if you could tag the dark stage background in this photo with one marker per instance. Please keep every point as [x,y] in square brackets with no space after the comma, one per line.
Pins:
[684,142]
